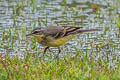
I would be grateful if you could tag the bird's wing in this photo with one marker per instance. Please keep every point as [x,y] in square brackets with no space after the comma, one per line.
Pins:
[53,31]
[71,30]
[58,31]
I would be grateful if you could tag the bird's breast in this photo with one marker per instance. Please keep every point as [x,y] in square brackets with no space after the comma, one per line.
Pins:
[59,41]
[49,41]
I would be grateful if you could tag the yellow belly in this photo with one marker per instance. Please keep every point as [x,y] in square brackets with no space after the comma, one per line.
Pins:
[53,42]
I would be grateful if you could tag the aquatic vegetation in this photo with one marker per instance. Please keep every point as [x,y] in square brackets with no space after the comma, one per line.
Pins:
[117,21]
[90,56]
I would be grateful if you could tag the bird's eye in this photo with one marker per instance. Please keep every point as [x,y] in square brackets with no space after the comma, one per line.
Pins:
[35,32]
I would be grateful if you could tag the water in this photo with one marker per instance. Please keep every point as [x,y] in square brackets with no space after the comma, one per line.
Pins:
[18,18]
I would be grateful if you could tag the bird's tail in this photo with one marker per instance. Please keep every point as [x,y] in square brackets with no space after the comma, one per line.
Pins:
[83,31]
[76,30]
[87,30]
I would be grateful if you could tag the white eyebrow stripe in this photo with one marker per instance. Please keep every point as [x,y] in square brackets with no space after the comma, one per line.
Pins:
[36,30]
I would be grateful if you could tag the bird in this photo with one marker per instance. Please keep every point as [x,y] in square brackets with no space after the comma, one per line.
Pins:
[55,36]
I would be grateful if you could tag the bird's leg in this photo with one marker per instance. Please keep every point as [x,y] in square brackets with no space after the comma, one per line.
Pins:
[50,50]
[45,50]
[59,50]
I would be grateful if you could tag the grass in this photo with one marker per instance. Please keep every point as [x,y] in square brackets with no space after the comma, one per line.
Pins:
[78,67]
[101,62]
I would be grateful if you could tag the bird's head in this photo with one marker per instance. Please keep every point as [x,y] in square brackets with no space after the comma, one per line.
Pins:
[35,32]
